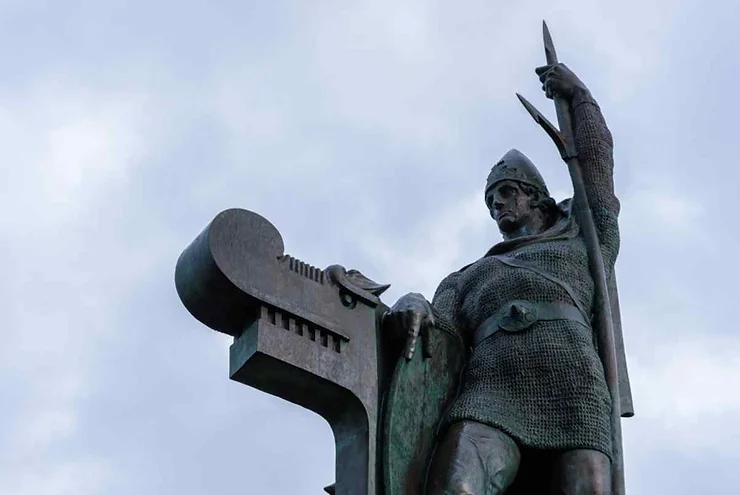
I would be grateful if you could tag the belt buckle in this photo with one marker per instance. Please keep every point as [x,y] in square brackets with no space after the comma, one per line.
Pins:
[518,316]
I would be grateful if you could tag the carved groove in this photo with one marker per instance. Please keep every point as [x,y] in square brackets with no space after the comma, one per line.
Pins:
[304,269]
[322,336]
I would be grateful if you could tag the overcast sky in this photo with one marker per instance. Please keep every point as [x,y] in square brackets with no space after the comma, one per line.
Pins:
[364,131]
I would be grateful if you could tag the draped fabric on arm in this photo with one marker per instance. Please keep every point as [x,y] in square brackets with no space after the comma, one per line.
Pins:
[594,145]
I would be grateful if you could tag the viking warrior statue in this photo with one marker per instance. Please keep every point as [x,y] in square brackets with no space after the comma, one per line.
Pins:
[532,413]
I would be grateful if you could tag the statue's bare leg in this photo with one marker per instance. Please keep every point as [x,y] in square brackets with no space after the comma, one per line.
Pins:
[473,459]
[581,472]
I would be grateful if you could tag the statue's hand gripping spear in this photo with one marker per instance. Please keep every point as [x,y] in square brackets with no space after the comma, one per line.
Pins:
[603,322]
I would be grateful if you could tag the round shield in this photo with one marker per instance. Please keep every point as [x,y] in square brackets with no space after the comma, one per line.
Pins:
[421,391]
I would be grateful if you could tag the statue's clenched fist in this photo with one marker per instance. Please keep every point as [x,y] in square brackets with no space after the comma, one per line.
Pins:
[559,80]
[411,317]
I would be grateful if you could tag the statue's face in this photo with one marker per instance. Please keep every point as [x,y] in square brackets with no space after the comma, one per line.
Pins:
[509,206]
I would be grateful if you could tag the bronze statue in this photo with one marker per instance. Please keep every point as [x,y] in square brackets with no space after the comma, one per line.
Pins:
[534,412]
[520,379]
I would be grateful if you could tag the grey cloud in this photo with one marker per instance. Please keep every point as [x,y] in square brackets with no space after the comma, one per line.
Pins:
[329,121]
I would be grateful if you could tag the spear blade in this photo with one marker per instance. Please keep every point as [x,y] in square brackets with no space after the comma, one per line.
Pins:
[548,126]
[530,108]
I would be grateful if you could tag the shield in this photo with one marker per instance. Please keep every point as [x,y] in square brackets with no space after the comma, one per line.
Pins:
[421,391]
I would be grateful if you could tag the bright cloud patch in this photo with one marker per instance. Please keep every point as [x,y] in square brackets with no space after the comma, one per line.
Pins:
[65,147]
[63,144]
[435,247]
[685,388]
[658,208]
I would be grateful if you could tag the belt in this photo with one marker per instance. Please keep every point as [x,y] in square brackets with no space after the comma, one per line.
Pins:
[516,316]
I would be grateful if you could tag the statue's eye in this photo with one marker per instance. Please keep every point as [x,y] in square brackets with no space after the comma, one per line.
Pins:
[506,191]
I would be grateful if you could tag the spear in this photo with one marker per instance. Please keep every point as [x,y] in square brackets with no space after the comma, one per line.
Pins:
[603,322]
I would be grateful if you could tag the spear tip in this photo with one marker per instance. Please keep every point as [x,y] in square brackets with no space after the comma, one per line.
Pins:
[550,54]
[546,32]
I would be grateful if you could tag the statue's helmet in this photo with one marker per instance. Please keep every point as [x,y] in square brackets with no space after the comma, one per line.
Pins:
[514,165]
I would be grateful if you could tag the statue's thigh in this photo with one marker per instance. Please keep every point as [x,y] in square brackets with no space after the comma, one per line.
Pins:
[473,459]
[582,471]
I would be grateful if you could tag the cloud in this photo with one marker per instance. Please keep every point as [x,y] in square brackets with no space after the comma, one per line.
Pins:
[67,146]
[707,386]
[60,478]
[432,249]
[660,209]
[684,388]
[65,143]
[364,132]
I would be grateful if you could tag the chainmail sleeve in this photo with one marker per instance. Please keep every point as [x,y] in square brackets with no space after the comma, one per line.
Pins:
[445,306]
[594,145]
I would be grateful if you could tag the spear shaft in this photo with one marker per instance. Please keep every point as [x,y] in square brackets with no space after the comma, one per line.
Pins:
[603,321]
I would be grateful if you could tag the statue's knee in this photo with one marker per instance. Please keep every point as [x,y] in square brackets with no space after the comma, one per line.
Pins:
[498,482]
[598,476]
[461,489]
[493,484]
[473,459]
[596,483]
[584,472]
[502,459]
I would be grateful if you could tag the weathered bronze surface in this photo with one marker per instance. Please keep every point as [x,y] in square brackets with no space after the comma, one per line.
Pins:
[409,421]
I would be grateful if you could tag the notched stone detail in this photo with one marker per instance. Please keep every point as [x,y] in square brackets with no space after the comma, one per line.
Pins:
[304,269]
[322,336]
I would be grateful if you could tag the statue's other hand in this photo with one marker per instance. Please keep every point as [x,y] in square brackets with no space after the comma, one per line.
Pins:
[559,80]
[411,317]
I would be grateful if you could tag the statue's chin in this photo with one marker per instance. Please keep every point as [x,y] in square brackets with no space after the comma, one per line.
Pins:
[507,226]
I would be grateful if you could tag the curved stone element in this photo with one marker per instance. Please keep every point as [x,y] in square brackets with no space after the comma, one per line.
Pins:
[219,274]
[295,336]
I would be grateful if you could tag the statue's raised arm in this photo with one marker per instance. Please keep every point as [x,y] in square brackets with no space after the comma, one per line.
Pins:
[594,148]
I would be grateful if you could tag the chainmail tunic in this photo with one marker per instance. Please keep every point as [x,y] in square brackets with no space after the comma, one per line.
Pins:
[545,385]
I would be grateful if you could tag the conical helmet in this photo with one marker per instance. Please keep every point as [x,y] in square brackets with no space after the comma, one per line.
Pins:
[516,166]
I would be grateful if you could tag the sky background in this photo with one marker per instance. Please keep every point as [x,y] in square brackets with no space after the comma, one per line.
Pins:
[364,132]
